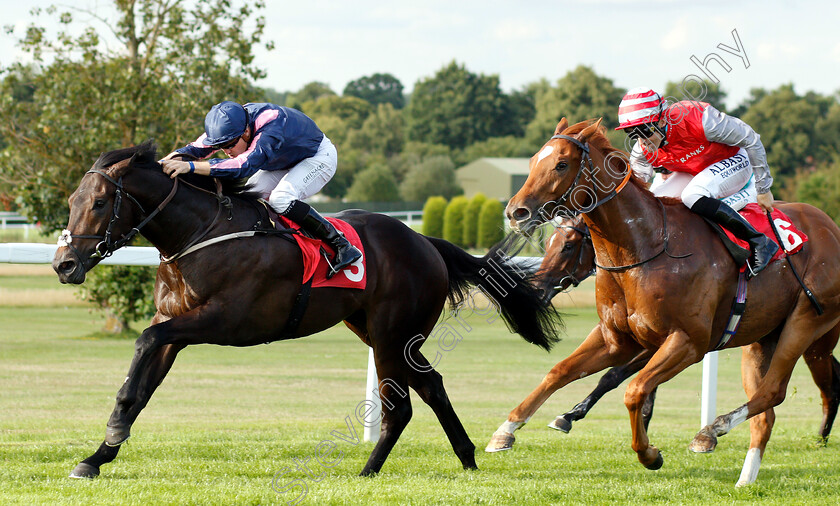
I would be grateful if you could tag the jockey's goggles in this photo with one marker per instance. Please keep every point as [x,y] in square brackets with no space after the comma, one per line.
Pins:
[639,131]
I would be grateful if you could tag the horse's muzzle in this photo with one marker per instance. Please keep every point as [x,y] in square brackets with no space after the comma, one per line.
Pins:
[68,267]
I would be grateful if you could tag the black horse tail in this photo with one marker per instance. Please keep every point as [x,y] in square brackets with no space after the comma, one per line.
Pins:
[509,288]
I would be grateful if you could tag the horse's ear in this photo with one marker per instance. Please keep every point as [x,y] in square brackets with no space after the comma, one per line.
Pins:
[587,132]
[562,126]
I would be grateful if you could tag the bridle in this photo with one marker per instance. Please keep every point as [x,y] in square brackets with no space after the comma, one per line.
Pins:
[586,160]
[107,245]
[584,232]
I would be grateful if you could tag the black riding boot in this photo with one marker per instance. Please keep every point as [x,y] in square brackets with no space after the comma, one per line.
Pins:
[763,248]
[315,224]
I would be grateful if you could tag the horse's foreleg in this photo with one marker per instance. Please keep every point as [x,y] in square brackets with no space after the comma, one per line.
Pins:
[675,354]
[608,382]
[590,357]
[158,365]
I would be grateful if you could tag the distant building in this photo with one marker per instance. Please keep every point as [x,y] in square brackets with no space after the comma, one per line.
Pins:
[497,178]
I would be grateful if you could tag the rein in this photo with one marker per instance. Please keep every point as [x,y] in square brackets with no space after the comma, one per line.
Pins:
[663,250]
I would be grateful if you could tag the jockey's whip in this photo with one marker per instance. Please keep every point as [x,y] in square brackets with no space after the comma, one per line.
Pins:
[817,307]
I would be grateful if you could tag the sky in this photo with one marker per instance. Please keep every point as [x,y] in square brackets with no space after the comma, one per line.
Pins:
[634,43]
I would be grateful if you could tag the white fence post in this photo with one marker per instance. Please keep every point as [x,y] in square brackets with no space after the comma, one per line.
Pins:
[708,402]
[372,395]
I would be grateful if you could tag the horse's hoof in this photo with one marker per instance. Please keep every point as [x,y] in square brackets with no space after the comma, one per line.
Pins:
[84,470]
[561,424]
[657,462]
[703,443]
[500,442]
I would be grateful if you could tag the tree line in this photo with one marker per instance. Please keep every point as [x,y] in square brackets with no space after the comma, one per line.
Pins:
[172,61]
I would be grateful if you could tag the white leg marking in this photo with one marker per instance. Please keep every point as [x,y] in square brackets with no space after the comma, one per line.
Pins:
[738,416]
[750,471]
[509,427]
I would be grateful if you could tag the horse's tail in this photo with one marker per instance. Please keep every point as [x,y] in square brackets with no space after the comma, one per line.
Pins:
[510,289]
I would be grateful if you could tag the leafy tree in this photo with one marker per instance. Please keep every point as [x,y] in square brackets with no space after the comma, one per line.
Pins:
[338,116]
[433,216]
[491,227]
[455,108]
[453,220]
[822,189]
[381,132]
[785,122]
[471,219]
[170,63]
[374,184]
[827,132]
[691,90]
[580,95]
[377,89]
[310,92]
[499,147]
[434,176]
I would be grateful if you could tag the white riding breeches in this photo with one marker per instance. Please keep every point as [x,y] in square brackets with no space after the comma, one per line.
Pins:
[730,180]
[281,187]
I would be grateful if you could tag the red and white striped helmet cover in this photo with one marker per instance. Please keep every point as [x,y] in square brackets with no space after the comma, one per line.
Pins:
[639,106]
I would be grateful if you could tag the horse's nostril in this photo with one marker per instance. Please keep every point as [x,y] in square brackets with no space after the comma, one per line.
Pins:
[66,266]
[521,214]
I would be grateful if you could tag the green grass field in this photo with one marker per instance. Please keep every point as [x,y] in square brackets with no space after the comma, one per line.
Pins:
[226,422]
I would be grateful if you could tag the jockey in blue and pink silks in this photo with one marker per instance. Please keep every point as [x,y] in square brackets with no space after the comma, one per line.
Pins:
[718,161]
[283,153]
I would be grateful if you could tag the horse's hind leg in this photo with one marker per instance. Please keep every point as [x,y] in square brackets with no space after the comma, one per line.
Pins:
[392,369]
[608,382]
[155,369]
[755,359]
[825,370]
[428,383]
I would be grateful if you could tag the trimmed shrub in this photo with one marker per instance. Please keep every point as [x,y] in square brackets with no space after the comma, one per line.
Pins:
[491,223]
[471,219]
[433,216]
[453,220]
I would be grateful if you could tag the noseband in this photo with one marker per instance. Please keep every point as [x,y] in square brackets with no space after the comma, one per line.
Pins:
[107,245]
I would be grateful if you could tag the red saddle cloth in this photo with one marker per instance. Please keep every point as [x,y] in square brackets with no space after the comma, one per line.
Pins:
[314,263]
[792,237]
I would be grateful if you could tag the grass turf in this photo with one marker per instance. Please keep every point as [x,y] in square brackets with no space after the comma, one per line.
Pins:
[226,421]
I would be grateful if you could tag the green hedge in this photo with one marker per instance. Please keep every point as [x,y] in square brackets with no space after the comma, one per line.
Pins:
[433,216]
[491,223]
[471,219]
[453,220]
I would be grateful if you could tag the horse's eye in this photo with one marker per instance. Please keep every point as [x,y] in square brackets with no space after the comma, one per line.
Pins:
[561,165]
[98,203]
[568,246]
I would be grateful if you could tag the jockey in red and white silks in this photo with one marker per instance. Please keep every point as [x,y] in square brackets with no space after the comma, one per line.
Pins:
[718,161]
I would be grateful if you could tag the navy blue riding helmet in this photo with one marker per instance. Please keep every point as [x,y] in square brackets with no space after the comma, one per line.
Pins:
[225,121]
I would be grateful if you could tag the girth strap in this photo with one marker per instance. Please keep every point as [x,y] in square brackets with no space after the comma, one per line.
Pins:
[298,309]
[738,307]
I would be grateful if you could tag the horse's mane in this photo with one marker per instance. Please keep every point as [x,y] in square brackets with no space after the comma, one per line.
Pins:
[600,142]
[145,155]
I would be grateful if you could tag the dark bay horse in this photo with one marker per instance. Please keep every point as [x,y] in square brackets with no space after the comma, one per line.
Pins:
[570,258]
[242,292]
[672,289]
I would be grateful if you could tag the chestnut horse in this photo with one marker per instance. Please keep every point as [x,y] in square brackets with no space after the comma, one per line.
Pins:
[570,258]
[670,290]
[244,292]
